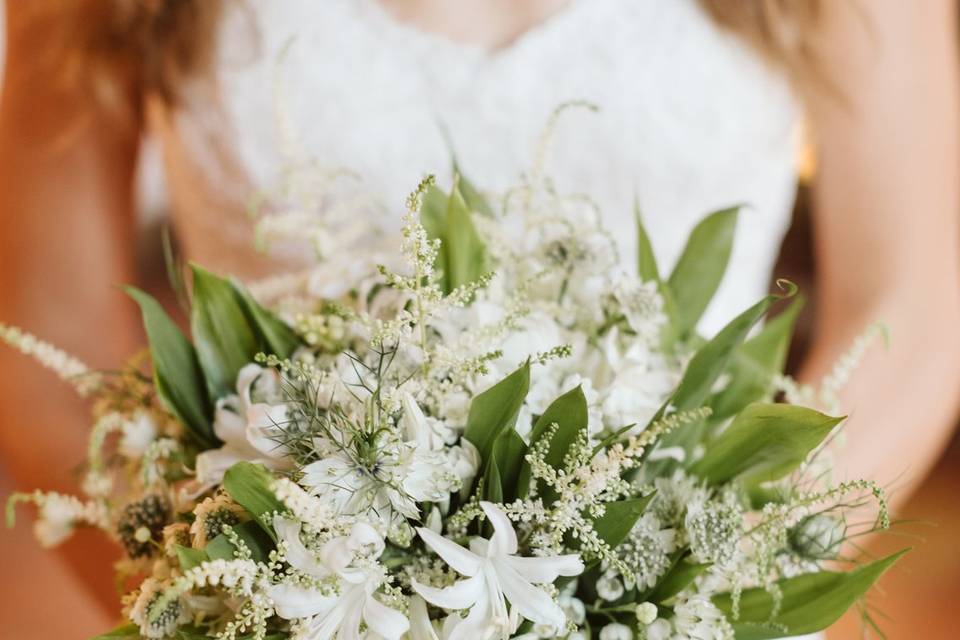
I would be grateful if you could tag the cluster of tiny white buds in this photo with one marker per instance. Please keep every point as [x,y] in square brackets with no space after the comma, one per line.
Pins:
[68,368]
[304,506]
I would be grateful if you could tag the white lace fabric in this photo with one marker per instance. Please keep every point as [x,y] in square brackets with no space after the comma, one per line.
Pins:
[689,121]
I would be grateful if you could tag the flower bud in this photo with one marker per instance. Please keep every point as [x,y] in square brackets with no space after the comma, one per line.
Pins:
[818,537]
[646,613]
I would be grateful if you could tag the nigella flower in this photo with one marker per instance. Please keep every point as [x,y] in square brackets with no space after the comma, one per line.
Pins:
[350,562]
[494,574]
[249,424]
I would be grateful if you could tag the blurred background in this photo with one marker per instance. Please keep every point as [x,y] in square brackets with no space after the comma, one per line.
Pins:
[916,599]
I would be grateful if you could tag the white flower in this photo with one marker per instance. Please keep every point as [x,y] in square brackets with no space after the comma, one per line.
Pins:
[616,631]
[493,575]
[646,612]
[697,618]
[609,587]
[348,559]
[354,489]
[136,435]
[429,434]
[248,426]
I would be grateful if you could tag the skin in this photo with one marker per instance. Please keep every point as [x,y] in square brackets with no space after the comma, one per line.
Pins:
[886,235]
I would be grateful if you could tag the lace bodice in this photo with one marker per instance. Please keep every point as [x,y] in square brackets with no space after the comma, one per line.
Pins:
[689,121]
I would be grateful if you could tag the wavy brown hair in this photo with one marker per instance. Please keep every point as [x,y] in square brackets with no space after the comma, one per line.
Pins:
[158,44]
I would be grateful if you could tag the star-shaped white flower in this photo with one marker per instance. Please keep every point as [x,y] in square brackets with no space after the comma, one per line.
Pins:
[337,615]
[495,575]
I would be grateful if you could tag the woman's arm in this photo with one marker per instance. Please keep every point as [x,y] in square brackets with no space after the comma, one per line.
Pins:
[887,230]
[66,231]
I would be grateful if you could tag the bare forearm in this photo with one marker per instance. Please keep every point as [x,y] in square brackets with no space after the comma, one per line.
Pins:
[901,400]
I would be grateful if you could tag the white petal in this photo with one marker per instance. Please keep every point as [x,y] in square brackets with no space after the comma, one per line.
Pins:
[546,570]
[420,626]
[297,602]
[532,603]
[297,555]
[264,423]
[364,537]
[384,621]
[228,424]
[245,379]
[212,464]
[325,627]
[459,595]
[504,540]
[461,560]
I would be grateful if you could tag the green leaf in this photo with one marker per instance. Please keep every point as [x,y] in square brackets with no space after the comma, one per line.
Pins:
[569,413]
[249,485]
[810,603]
[646,260]
[508,452]
[496,409]
[765,442]
[275,335]
[466,253]
[224,339]
[492,486]
[619,517]
[123,632]
[713,357]
[755,363]
[176,370]
[701,266]
[474,199]
[190,558]
[678,578]
[463,256]
[259,543]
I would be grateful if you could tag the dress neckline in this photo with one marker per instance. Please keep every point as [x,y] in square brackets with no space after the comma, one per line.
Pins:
[409,33]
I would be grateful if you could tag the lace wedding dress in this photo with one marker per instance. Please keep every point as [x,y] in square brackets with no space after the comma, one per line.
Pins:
[689,120]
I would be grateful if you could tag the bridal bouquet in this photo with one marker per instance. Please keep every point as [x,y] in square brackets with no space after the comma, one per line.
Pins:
[506,434]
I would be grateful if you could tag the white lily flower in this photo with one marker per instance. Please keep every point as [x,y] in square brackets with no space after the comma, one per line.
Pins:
[248,428]
[494,574]
[340,614]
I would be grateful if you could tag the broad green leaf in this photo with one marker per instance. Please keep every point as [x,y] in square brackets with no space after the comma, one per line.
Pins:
[190,558]
[123,632]
[755,363]
[176,370]
[646,260]
[764,442]
[433,212]
[492,485]
[701,266]
[249,485]
[224,339]
[259,543]
[712,358]
[474,199]
[678,578]
[462,258]
[276,337]
[810,602]
[496,409]
[619,517]
[569,413]
[508,452]
[466,255]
